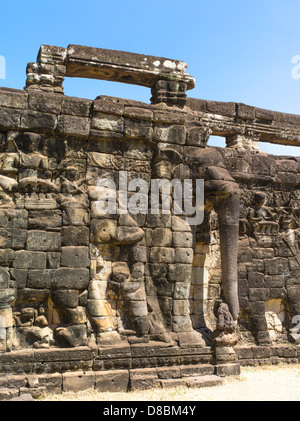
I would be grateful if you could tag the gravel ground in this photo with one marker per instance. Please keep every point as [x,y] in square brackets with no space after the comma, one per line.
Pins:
[269,383]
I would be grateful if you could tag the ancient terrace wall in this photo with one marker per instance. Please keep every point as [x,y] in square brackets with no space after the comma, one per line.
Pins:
[141,293]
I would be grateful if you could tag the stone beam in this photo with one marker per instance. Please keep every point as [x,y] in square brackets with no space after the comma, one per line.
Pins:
[230,119]
[167,78]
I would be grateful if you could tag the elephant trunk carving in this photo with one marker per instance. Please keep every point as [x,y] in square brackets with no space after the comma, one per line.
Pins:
[223,195]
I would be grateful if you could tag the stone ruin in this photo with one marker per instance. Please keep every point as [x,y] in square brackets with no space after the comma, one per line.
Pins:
[129,301]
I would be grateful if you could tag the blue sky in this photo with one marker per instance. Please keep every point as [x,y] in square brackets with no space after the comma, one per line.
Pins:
[237,50]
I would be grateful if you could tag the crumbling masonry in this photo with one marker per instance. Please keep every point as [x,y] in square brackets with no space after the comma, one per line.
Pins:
[141,300]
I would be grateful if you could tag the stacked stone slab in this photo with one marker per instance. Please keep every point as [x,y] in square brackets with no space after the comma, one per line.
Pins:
[138,291]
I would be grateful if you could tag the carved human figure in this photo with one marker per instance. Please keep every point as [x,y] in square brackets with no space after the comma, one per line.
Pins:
[120,281]
[224,334]
[32,158]
[32,327]
[258,211]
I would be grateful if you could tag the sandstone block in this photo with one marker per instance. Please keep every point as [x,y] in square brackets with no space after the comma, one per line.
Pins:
[43,241]
[77,257]
[112,381]
[204,381]
[35,120]
[65,298]
[108,122]
[276,266]
[76,106]
[77,381]
[138,129]
[6,257]
[103,231]
[139,253]
[30,260]
[7,296]
[19,277]
[182,239]
[39,278]
[45,103]
[53,260]
[162,255]
[71,336]
[75,236]
[180,224]
[73,125]
[160,221]
[73,316]
[13,99]
[184,255]
[181,323]
[44,219]
[4,278]
[159,237]
[180,308]
[9,118]
[70,278]
[181,291]
[180,272]
[141,379]
[170,134]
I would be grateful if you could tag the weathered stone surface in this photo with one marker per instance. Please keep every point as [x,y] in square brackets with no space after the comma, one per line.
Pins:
[224,370]
[162,255]
[75,257]
[180,272]
[29,260]
[7,296]
[112,381]
[39,278]
[75,236]
[73,125]
[43,241]
[13,99]
[182,239]
[6,257]
[142,379]
[65,298]
[184,255]
[53,260]
[103,231]
[43,220]
[204,381]
[4,278]
[71,336]
[74,382]
[38,120]
[159,237]
[9,118]
[170,134]
[70,278]
[152,277]
[19,276]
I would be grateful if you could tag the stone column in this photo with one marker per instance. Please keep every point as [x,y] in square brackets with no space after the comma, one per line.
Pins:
[48,73]
[169,92]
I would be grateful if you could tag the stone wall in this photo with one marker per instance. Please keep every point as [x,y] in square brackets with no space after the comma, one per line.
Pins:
[268,247]
[71,277]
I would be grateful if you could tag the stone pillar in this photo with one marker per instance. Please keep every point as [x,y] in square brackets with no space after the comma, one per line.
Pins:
[48,73]
[247,142]
[169,92]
